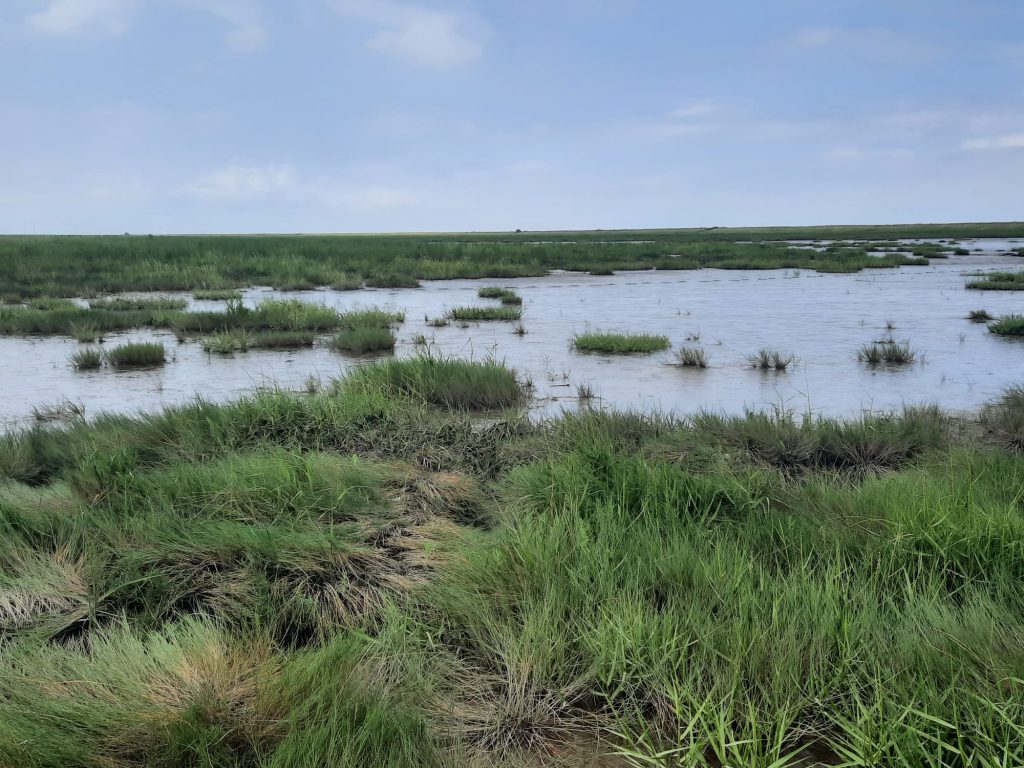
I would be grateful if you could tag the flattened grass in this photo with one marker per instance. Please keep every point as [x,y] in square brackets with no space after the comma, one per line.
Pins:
[609,343]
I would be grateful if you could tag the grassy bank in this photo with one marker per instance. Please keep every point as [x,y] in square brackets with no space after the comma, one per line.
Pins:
[73,265]
[373,575]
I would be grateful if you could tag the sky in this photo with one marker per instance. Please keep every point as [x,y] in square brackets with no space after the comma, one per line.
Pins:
[178,116]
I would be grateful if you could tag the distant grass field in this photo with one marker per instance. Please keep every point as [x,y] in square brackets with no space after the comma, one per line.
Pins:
[77,265]
[379,575]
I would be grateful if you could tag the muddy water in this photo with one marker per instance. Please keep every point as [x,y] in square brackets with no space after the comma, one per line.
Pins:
[823,319]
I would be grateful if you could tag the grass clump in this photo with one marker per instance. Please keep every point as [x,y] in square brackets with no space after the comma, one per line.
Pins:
[371,317]
[348,283]
[998,281]
[692,357]
[268,315]
[895,352]
[467,314]
[137,355]
[1004,419]
[451,383]
[86,333]
[88,359]
[217,294]
[1008,325]
[392,280]
[507,296]
[619,343]
[770,359]
[363,339]
[138,304]
[979,316]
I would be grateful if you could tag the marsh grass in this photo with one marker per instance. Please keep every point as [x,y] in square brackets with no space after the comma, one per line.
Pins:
[65,410]
[979,316]
[86,334]
[392,280]
[138,304]
[446,382]
[619,343]
[369,575]
[363,340]
[768,359]
[137,355]
[998,281]
[468,314]
[691,357]
[371,317]
[348,283]
[87,359]
[887,351]
[219,294]
[1008,325]
[438,322]
[519,329]
[268,315]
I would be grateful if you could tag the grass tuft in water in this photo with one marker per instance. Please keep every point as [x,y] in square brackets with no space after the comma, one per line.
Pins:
[1008,325]
[619,343]
[998,281]
[887,352]
[692,357]
[979,316]
[447,382]
[138,304]
[88,359]
[218,294]
[362,340]
[467,314]
[769,359]
[137,355]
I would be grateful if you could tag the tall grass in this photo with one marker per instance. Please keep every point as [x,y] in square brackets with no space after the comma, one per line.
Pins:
[692,357]
[998,281]
[767,359]
[87,359]
[137,355]
[897,352]
[363,339]
[503,312]
[442,381]
[619,343]
[1008,325]
[355,577]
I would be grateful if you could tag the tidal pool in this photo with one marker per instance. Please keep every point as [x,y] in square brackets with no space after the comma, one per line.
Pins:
[821,318]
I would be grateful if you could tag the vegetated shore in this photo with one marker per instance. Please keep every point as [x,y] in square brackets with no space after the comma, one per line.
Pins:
[32,266]
[375,574]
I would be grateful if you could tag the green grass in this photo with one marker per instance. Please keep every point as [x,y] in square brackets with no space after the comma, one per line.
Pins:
[450,383]
[371,317]
[138,304]
[87,359]
[692,357]
[359,577]
[33,266]
[137,355]
[469,314]
[999,281]
[619,343]
[364,339]
[1008,325]
[887,352]
[221,294]
[267,315]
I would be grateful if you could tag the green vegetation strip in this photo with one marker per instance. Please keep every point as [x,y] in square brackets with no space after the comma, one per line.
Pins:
[359,577]
[32,266]
[619,343]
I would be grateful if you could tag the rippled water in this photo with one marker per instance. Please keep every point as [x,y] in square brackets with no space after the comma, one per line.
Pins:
[821,318]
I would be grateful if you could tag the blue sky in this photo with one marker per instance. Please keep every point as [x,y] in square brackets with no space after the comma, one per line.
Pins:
[417,115]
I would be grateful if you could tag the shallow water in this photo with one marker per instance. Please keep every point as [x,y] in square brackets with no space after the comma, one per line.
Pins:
[822,318]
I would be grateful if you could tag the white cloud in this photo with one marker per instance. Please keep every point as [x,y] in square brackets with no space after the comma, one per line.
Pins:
[878,43]
[1004,141]
[696,109]
[239,183]
[283,183]
[424,37]
[76,17]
